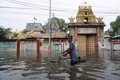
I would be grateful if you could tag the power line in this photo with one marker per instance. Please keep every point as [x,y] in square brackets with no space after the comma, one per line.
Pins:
[36,6]
[69,12]
[7,7]
[20,20]
[24,13]
[32,5]
[110,12]
[14,7]
[42,14]
[20,2]
[24,4]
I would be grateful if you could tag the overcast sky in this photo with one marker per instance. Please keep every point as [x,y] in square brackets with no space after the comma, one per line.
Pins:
[16,13]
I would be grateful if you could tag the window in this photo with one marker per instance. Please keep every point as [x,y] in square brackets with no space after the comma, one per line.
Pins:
[85,13]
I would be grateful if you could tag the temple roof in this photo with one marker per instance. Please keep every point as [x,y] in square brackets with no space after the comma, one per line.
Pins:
[33,25]
[85,14]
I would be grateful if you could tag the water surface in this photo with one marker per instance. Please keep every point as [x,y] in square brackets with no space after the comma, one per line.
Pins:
[28,67]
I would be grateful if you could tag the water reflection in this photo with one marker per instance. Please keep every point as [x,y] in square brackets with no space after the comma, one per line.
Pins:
[31,68]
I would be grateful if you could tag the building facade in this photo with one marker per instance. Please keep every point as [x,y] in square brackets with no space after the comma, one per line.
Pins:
[35,29]
[87,31]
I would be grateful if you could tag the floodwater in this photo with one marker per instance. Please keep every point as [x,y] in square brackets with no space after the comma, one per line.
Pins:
[30,68]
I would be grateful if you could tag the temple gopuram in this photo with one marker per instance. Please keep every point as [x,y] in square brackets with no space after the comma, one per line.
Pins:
[87,31]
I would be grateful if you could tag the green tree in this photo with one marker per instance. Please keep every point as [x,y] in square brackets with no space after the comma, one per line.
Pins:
[61,23]
[115,27]
[4,33]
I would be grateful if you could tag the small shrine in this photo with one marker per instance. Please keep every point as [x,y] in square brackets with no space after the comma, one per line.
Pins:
[87,31]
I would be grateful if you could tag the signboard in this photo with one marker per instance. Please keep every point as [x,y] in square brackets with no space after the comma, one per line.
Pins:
[87,30]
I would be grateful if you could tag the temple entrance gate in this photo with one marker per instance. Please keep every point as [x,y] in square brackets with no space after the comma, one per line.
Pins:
[86,45]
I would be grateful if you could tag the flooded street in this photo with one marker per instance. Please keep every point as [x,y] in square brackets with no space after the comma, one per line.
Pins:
[28,68]
[41,39]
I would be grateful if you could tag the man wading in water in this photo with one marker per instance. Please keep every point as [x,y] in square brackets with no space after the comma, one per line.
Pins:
[72,51]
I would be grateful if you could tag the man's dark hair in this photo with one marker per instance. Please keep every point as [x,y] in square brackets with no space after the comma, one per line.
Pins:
[70,37]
